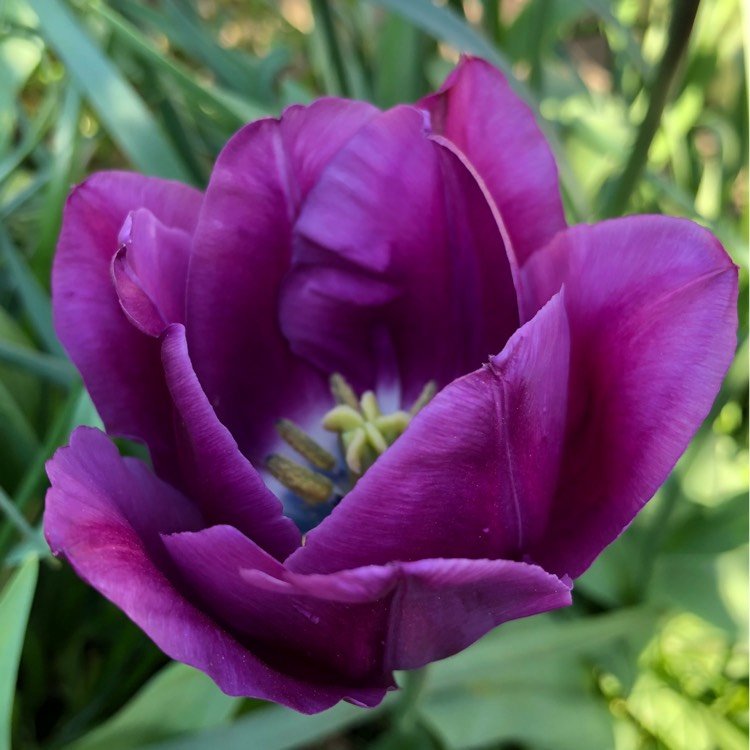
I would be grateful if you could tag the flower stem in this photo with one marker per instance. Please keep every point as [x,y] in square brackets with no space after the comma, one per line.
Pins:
[680,27]
[406,710]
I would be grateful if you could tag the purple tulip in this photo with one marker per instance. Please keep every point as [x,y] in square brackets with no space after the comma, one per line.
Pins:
[425,244]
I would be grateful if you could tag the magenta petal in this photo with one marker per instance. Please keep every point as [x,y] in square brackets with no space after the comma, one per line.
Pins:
[121,366]
[104,515]
[474,473]
[221,480]
[435,608]
[297,634]
[652,307]
[150,272]
[241,252]
[478,111]
[443,606]
[396,241]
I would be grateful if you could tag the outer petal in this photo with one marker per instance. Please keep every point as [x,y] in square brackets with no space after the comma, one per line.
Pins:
[241,252]
[477,110]
[329,643]
[120,366]
[652,307]
[474,473]
[104,514]
[221,480]
[435,608]
[396,238]
[358,625]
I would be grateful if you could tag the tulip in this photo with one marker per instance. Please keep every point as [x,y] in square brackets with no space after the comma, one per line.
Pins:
[390,398]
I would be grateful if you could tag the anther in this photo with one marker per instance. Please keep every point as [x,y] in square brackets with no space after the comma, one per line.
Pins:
[355,450]
[368,405]
[392,425]
[375,438]
[342,418]
[311,487]
[294,436]
[342,392]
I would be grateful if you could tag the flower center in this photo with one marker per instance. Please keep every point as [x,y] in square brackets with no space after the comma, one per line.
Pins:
[364,433]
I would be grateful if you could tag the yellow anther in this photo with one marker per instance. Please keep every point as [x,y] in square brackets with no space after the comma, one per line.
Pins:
[391,426]
[342,392]
[311,487]
[342,418]
[357,442]
[295,437]
[368,405]
[375,438]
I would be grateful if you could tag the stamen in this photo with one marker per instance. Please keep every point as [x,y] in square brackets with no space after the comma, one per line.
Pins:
[368,405]
[375,438]
[342,418]
[391,426]
[342,392]
[424,398]
[294,436]
[312,487]
[355,449]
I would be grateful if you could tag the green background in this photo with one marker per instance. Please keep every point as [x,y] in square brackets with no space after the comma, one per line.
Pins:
[644,115]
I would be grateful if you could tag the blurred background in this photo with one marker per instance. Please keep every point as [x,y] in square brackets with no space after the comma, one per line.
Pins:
[645,105]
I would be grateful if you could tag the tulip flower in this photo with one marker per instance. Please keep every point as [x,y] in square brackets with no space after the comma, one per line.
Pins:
[391,399]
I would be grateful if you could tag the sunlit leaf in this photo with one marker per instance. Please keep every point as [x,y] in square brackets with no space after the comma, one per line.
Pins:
[15,603]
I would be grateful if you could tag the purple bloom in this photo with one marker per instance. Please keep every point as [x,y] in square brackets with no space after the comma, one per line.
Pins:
[393,248]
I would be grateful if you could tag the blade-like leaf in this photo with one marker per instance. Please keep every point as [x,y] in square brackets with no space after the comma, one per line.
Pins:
[275,728]
[179,699]
[15,604]
[54,369]
[34,300]
[118,106]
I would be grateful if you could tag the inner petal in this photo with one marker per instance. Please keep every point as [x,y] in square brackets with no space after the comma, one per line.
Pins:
[396,242]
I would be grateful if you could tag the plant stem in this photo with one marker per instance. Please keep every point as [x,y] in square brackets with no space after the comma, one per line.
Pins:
[680,27]
[405,712]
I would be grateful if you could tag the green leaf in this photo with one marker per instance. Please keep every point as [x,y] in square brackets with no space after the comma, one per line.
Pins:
[18,59]
[275,728]
[442,22]
[233,110]
[712,586]
[18,442]
[15,604]
[35,301]
[497,689]
[45,366]
[118,106]
[179,699]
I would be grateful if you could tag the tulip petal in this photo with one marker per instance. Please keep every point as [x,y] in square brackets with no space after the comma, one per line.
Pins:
[104,515]
[397,237]
[150,272]
[435,607]
[404,614]
[478,111]
[242,250]
[652,307]
[295,634]
[221,480]
[473,475]
[121,366]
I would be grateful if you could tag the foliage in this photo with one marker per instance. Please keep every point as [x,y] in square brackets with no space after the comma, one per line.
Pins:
[653,654]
